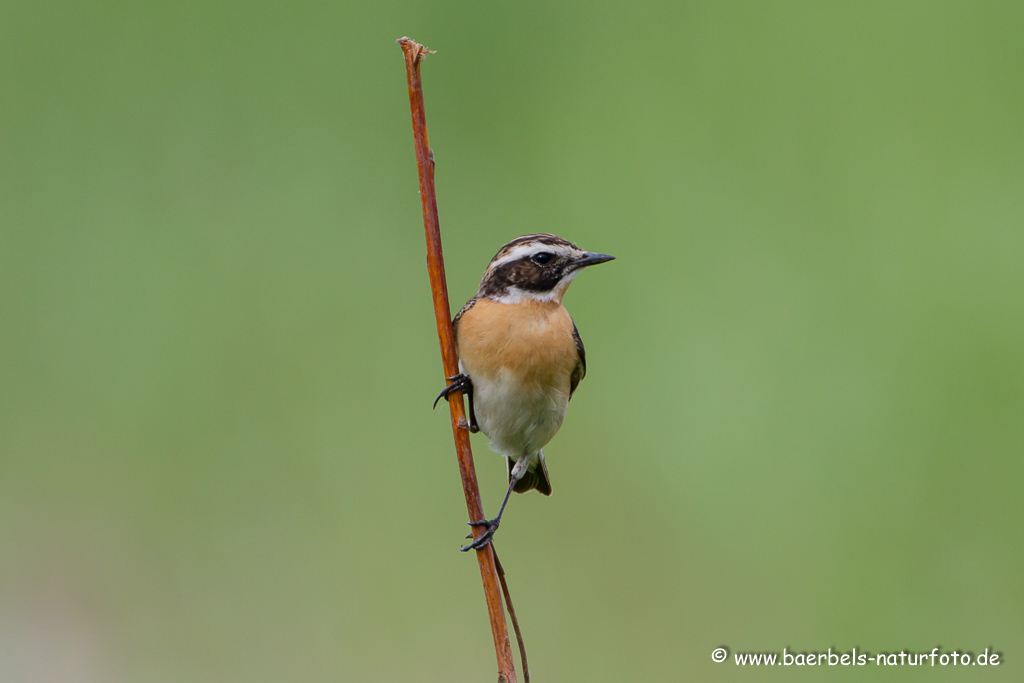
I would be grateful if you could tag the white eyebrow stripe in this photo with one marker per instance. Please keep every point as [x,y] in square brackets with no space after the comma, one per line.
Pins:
[529,249]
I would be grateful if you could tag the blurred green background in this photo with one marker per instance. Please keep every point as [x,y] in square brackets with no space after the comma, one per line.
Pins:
[804,417]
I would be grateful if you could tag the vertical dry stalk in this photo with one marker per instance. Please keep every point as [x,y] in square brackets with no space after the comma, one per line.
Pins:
[414,52]
[512,613]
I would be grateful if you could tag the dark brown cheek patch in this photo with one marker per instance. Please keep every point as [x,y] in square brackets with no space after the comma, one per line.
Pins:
[524,274]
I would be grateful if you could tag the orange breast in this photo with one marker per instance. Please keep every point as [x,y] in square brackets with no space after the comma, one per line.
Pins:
[532,339]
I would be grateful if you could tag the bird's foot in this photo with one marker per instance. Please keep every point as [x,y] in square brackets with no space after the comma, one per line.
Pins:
[460,382]
[485,538]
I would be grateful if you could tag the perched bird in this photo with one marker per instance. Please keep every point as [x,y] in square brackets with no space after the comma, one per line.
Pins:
[521,357]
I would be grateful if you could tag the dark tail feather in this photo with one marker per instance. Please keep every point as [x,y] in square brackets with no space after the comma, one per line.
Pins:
[536,477]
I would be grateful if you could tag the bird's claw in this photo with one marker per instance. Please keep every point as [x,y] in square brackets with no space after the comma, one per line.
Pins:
[485,538]
[460,382]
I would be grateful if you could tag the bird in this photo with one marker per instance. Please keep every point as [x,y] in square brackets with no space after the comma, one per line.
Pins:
[521,357]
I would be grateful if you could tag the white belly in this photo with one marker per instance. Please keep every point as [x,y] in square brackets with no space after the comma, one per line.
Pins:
[519,419]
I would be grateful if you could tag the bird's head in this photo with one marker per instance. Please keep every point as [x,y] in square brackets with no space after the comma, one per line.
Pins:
[538,267]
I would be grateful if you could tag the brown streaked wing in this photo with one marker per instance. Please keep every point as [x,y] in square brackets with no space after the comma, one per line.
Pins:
[580,371]
[455,320]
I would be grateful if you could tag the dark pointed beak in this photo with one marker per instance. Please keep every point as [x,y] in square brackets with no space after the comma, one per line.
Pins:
[589,259]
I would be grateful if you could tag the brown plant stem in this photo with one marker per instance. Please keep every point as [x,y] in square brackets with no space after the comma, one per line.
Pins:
[414,53]
[512,613]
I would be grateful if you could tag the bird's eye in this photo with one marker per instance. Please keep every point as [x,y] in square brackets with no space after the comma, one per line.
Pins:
[542,259]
